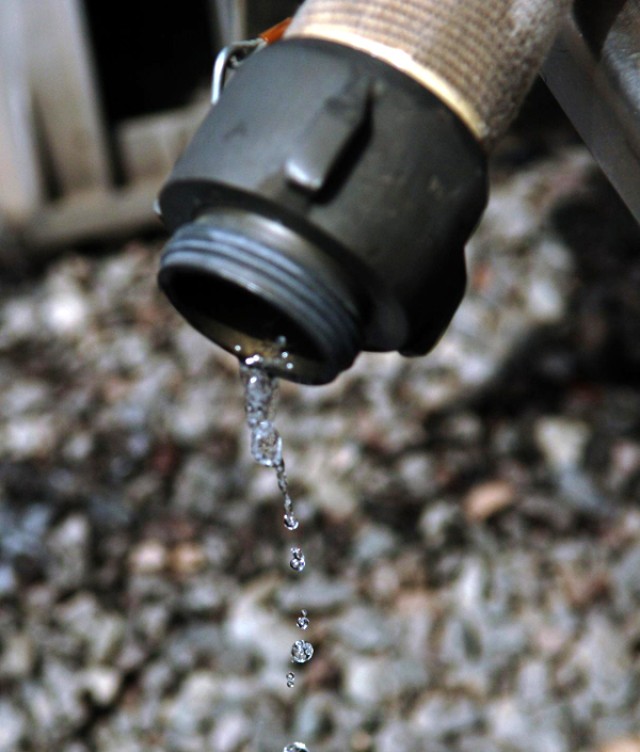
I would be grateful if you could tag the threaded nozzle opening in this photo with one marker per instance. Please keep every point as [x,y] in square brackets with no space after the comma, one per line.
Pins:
[253,286]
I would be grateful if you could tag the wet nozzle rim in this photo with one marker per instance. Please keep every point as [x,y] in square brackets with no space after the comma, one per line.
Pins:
[250,284]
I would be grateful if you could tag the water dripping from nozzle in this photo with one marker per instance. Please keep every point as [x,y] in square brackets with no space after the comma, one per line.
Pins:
[301,651]
[303,620]
[297,561]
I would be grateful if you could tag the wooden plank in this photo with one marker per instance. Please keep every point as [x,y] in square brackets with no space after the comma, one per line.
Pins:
[65,93]
[20,185]
[90,215]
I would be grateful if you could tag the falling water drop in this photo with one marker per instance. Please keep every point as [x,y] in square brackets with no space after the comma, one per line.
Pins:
[291,680]
[290,520]
[303,620]
[266,444]
[301,651]
[261,391]
[298,561]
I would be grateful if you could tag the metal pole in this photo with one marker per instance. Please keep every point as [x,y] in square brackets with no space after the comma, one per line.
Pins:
[593,72]
[231,20]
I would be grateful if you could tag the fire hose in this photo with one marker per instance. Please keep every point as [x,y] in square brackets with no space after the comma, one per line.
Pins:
[327,197]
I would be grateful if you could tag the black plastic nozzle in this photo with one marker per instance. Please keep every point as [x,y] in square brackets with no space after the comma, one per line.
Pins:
[325,201]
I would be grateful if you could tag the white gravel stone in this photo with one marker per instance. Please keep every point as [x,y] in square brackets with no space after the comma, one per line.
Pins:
[397,735]
[562,441]
[372,681]
[194,704]
[534,683]
[196,413]
[437,520]
[7,580]
[469,591]
[29,436]
[602,659]
[78,446]
[65,310]
[102,684]
[18,656]
[64,693]
[541,731]
[251,623]
[365,680]
[545,301]
[17,322]
[23,397]
[318,593]
[418,473]
[330,494]
[148,557]
[107,638]
[231,733]
[439,716]
[13,726]
[200,486]
[69,551]
[365,630]
[373,542]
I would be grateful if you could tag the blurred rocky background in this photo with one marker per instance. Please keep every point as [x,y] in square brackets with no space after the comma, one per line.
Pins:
[469,519]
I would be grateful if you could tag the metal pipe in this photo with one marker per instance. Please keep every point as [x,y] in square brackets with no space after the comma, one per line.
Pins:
[592,70]
[231,20]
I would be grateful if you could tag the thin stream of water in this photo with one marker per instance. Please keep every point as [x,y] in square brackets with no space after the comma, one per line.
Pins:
[261,392]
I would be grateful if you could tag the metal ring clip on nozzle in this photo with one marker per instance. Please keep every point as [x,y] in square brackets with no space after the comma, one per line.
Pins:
[233,55]
[229,59]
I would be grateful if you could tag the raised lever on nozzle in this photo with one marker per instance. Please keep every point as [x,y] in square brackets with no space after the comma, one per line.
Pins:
[328,194]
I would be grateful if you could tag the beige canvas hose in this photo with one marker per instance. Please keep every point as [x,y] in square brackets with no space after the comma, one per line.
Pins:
[479,56]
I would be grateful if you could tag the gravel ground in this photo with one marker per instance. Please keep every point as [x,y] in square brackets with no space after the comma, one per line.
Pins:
[469,519]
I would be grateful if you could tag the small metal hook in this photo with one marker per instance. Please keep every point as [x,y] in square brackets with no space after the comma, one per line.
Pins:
[230,58]
[233,55]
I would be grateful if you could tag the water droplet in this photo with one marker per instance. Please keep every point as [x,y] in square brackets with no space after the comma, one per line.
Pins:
[261,392]
[283,482]
[266,444]
[298,561]
[303,620]
[237,348]
[291,680]
[296,747]
[301,651]
[254,360]
[289,366]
